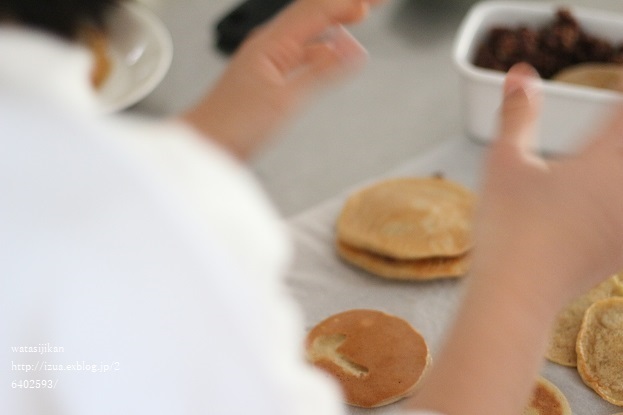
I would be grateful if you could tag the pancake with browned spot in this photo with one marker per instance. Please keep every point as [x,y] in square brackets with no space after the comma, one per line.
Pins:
[376,357]
[547,399]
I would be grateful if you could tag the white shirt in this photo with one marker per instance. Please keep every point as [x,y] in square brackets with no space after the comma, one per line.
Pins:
[140,265]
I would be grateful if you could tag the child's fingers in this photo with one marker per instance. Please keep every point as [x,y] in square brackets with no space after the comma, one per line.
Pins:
[337,54]
[304,20]
[286,41]
[520,108]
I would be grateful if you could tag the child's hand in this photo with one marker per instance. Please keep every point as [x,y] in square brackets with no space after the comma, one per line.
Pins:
[560,221]
[546,232]
[277,68]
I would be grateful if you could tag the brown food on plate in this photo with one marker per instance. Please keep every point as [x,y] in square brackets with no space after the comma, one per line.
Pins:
[547,399]
[97,42]
[408,228]
[550,49]
[377,358]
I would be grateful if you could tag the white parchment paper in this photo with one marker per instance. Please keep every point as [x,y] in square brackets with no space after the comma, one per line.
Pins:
[324,285]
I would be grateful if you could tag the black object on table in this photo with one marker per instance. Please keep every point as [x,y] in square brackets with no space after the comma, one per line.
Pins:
[234,27]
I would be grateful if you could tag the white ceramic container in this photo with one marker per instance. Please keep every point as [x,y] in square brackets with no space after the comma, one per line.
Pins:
[569,111]
[141,49]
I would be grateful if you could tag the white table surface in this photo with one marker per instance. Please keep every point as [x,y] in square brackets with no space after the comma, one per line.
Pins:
[324,285]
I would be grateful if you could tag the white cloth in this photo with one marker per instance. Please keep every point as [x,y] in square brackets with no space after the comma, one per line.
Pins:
[140,265]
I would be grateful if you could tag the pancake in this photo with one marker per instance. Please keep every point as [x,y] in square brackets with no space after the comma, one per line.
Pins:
[409,218]
[600,349]
[618,289]
[547,399]
[594,74]
[562,344]
[416,269]
[377,358]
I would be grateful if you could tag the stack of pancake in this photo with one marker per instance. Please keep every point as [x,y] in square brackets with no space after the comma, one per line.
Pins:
[408,228]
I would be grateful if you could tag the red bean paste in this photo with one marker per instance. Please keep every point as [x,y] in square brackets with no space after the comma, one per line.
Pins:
[549,49]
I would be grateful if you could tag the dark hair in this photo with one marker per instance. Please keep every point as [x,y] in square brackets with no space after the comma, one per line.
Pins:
[64,18]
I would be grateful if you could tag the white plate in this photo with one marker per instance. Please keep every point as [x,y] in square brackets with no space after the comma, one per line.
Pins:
[141,51]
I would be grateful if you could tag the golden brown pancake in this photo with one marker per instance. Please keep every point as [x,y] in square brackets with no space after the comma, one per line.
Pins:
[377,358]
[547,399]
[618,289]
[415,269]
[600,349]
[409,218]
[565,330]
[593,74]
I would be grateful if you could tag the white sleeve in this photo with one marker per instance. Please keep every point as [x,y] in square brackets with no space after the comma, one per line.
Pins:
[126,301]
